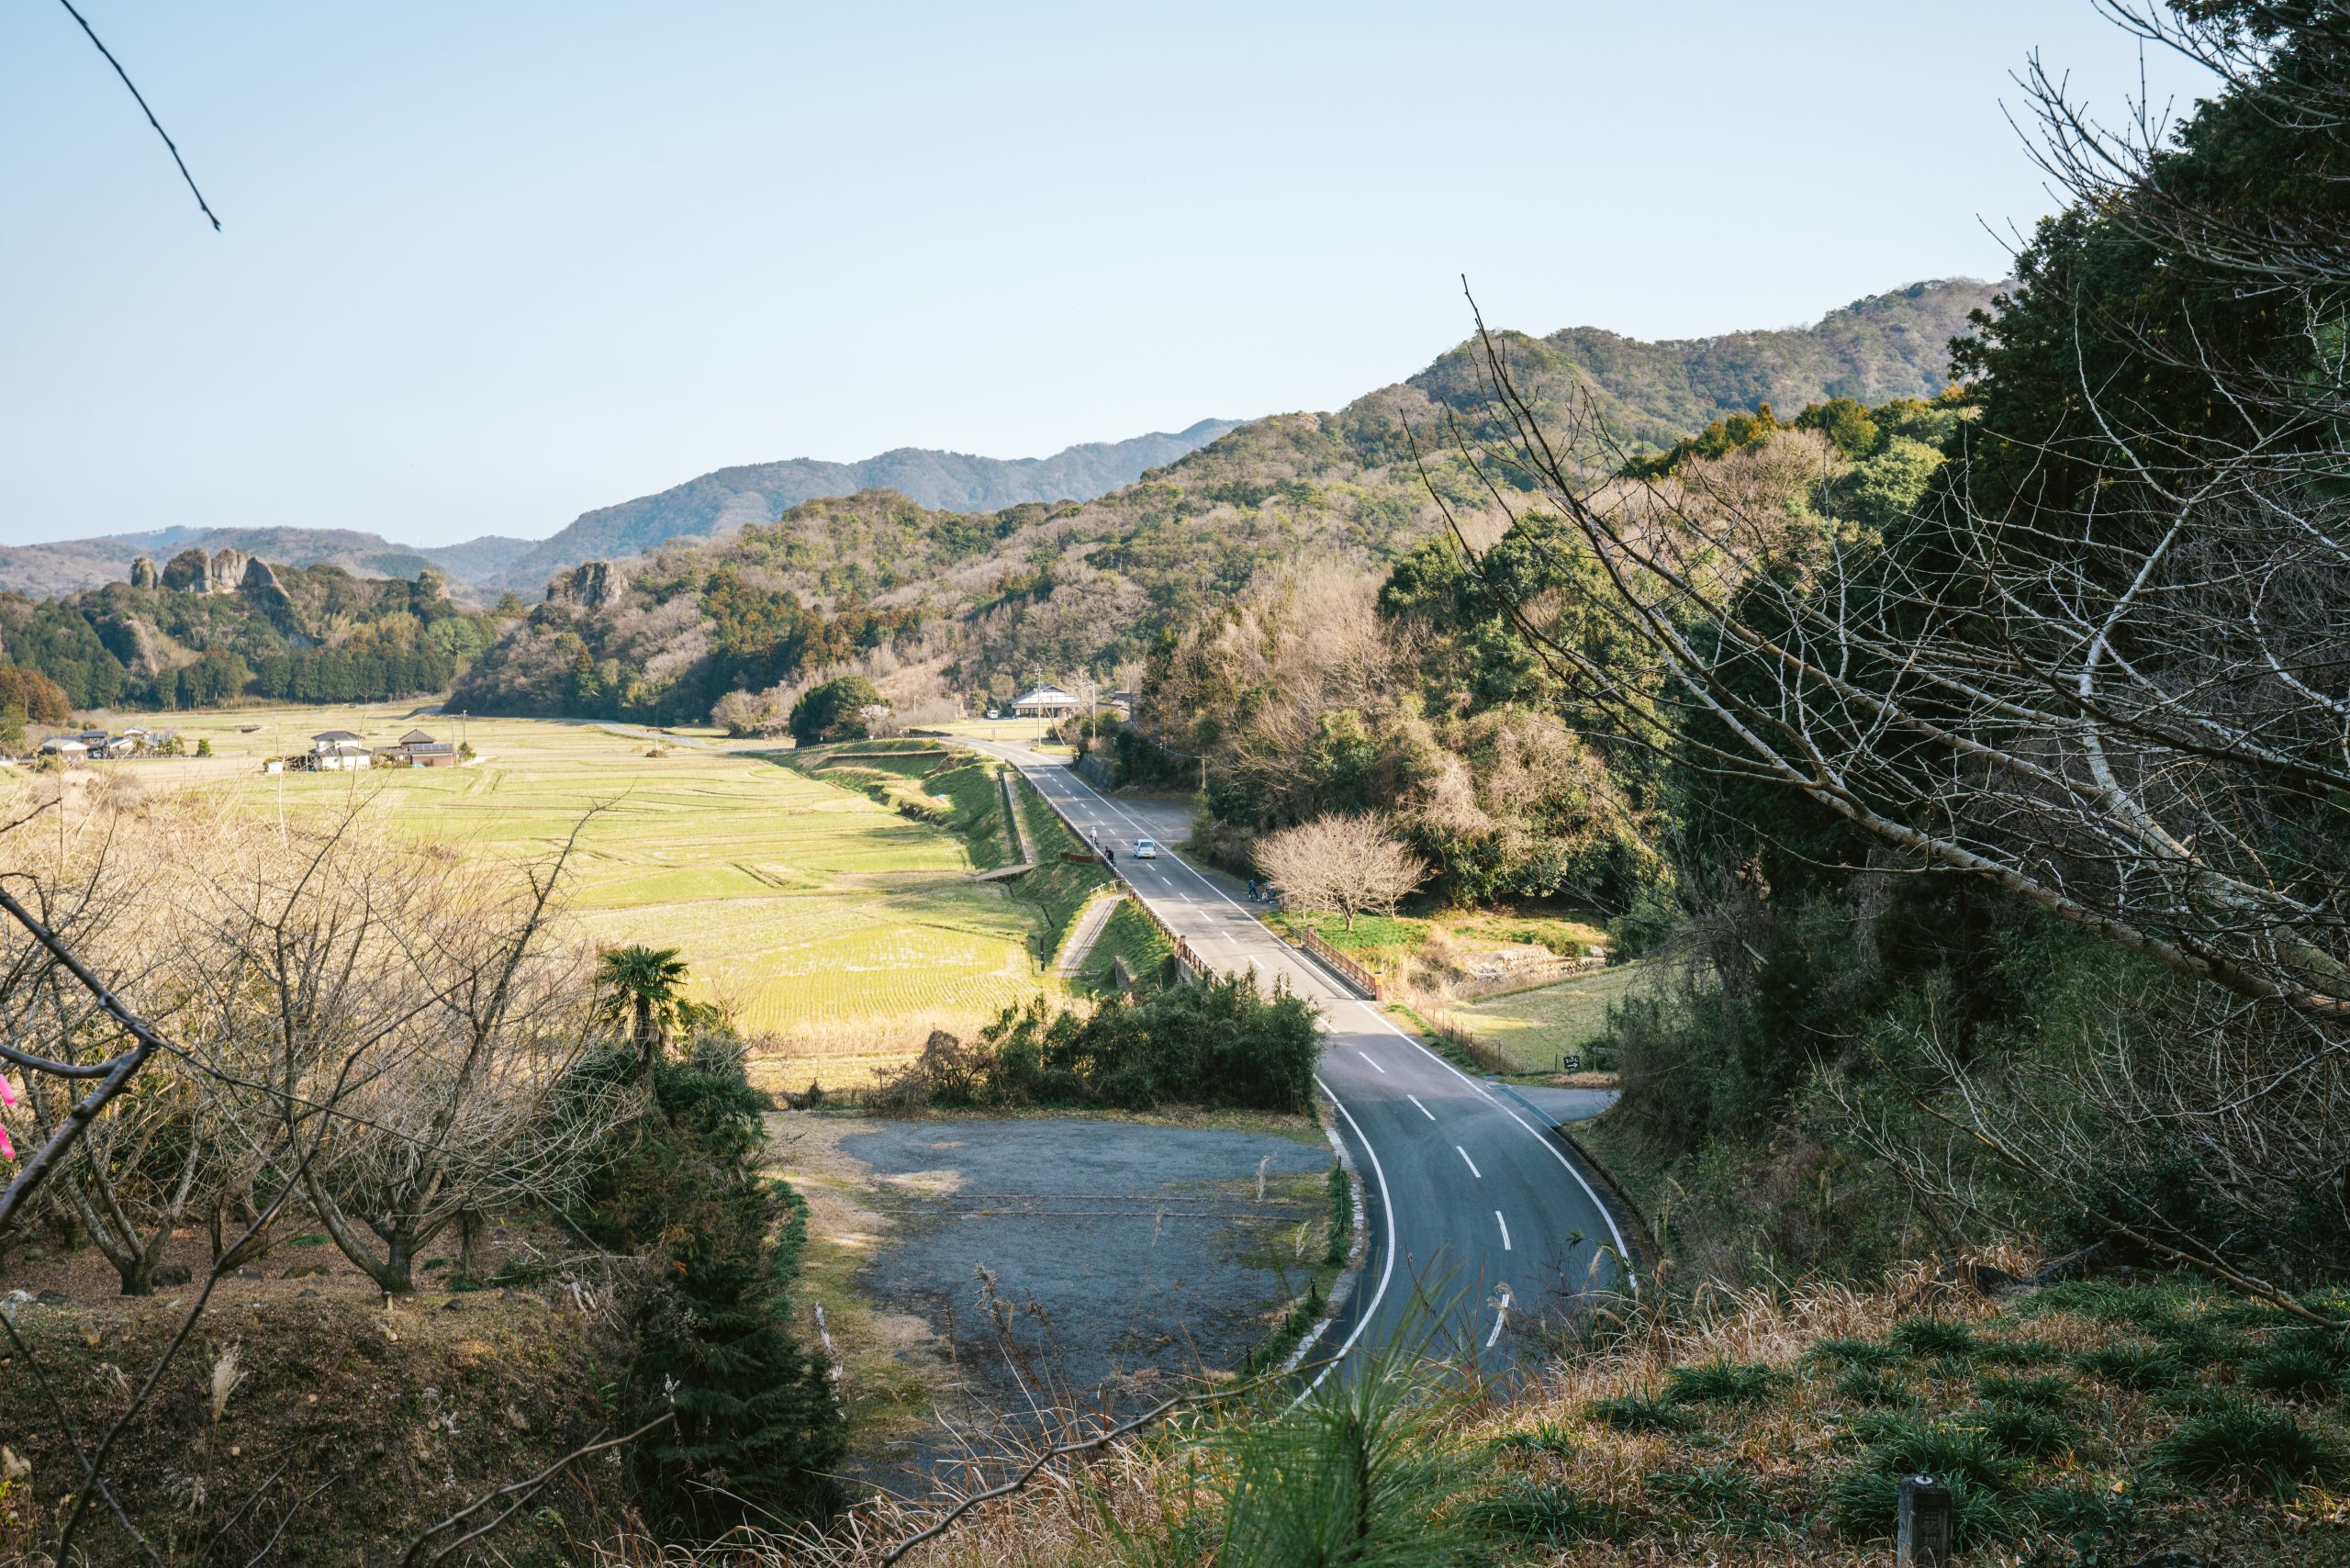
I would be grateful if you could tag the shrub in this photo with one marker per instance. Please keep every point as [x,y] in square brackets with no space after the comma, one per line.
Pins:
[1543,1437]
[2142,1367]
[1719,1495]
[1866,1385]
[2241,1440]
[1866,1353]
[1721,1381]
[2053,1392]
[1864,1503]
[1906,1445]
[1546,1513]
[1222,1044]
[2311,1364]
[1931,1337]
[2028,1431]
[1638,1413]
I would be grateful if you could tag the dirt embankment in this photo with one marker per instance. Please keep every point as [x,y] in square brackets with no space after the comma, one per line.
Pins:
[307,1411]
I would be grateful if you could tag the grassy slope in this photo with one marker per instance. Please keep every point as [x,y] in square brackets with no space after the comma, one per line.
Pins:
[1383,942]
[1059,888]
[1778,1425]
[976,797]
[1534,1028]
[2090,1423]
[332,1412]
[1129,936]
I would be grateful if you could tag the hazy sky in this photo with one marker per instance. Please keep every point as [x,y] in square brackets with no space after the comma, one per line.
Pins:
[487,265]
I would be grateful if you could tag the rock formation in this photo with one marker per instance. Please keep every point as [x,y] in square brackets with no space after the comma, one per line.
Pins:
[591,584]
[143,572]
[229,569]
[190,570]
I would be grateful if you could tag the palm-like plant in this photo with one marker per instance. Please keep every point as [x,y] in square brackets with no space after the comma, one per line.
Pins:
[644,988]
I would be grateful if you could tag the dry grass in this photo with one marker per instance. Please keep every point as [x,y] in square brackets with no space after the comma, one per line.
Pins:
[1767,1480]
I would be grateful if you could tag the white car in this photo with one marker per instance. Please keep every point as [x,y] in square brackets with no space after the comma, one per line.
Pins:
[1146,849]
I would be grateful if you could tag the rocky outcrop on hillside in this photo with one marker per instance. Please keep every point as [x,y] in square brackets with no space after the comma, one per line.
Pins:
[591,584]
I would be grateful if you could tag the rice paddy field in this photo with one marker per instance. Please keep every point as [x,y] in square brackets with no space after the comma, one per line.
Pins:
[835,928]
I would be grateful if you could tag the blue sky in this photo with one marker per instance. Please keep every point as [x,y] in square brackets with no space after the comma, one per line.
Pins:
[488,265]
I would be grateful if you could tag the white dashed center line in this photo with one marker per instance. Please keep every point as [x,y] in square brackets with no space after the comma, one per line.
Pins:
[1503,1223]
[1374,1061]
[1473,1166]
[1423,1110]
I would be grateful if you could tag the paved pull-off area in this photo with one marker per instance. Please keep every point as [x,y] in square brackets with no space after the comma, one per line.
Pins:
[1481,1221]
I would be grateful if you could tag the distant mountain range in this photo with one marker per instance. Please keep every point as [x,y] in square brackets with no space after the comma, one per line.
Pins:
[717,504]
[713,505]
[1648,394]
[1032,587]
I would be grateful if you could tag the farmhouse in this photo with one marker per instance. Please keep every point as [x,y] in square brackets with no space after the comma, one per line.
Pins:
[331,750]
[1046,702]
[416,749]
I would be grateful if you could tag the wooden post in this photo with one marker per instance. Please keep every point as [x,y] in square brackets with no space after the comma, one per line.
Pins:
[1924,1539]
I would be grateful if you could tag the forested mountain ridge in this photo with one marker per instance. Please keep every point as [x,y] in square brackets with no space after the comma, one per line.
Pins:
[713,504]
[717,503]
[1035,590]
[208,629]
[1873,350]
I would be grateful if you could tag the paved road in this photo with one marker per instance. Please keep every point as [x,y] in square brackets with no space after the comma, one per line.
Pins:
[1479,1221]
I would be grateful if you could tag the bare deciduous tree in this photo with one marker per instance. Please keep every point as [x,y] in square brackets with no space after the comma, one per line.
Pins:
[1350,865]
[411,1018]
[2123,701]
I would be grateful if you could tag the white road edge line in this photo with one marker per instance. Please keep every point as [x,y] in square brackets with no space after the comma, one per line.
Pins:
[1623,1252]
[1471,1163]
[1387,1264]
[1423,1110]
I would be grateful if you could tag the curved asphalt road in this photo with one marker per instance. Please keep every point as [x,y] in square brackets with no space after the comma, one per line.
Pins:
[1479,1221]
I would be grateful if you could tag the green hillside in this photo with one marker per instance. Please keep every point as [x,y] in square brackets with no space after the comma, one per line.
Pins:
[204,630]
[1031,589]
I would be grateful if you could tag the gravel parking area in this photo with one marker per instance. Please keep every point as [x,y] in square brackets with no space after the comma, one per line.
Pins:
[1083,1264]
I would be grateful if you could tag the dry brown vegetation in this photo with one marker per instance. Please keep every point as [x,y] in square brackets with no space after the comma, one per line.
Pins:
[1764,1426]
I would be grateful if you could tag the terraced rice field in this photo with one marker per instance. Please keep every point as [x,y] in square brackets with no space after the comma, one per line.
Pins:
[837,928]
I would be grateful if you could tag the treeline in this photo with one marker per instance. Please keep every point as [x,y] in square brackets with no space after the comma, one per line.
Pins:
[314,634]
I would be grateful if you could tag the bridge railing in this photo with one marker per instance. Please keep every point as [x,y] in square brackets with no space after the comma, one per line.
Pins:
[1361,976]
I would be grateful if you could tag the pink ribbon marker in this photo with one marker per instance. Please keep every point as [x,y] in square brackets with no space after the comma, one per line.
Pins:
[7,1097]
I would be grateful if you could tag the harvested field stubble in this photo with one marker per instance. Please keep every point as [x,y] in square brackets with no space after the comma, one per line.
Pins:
[837,930]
